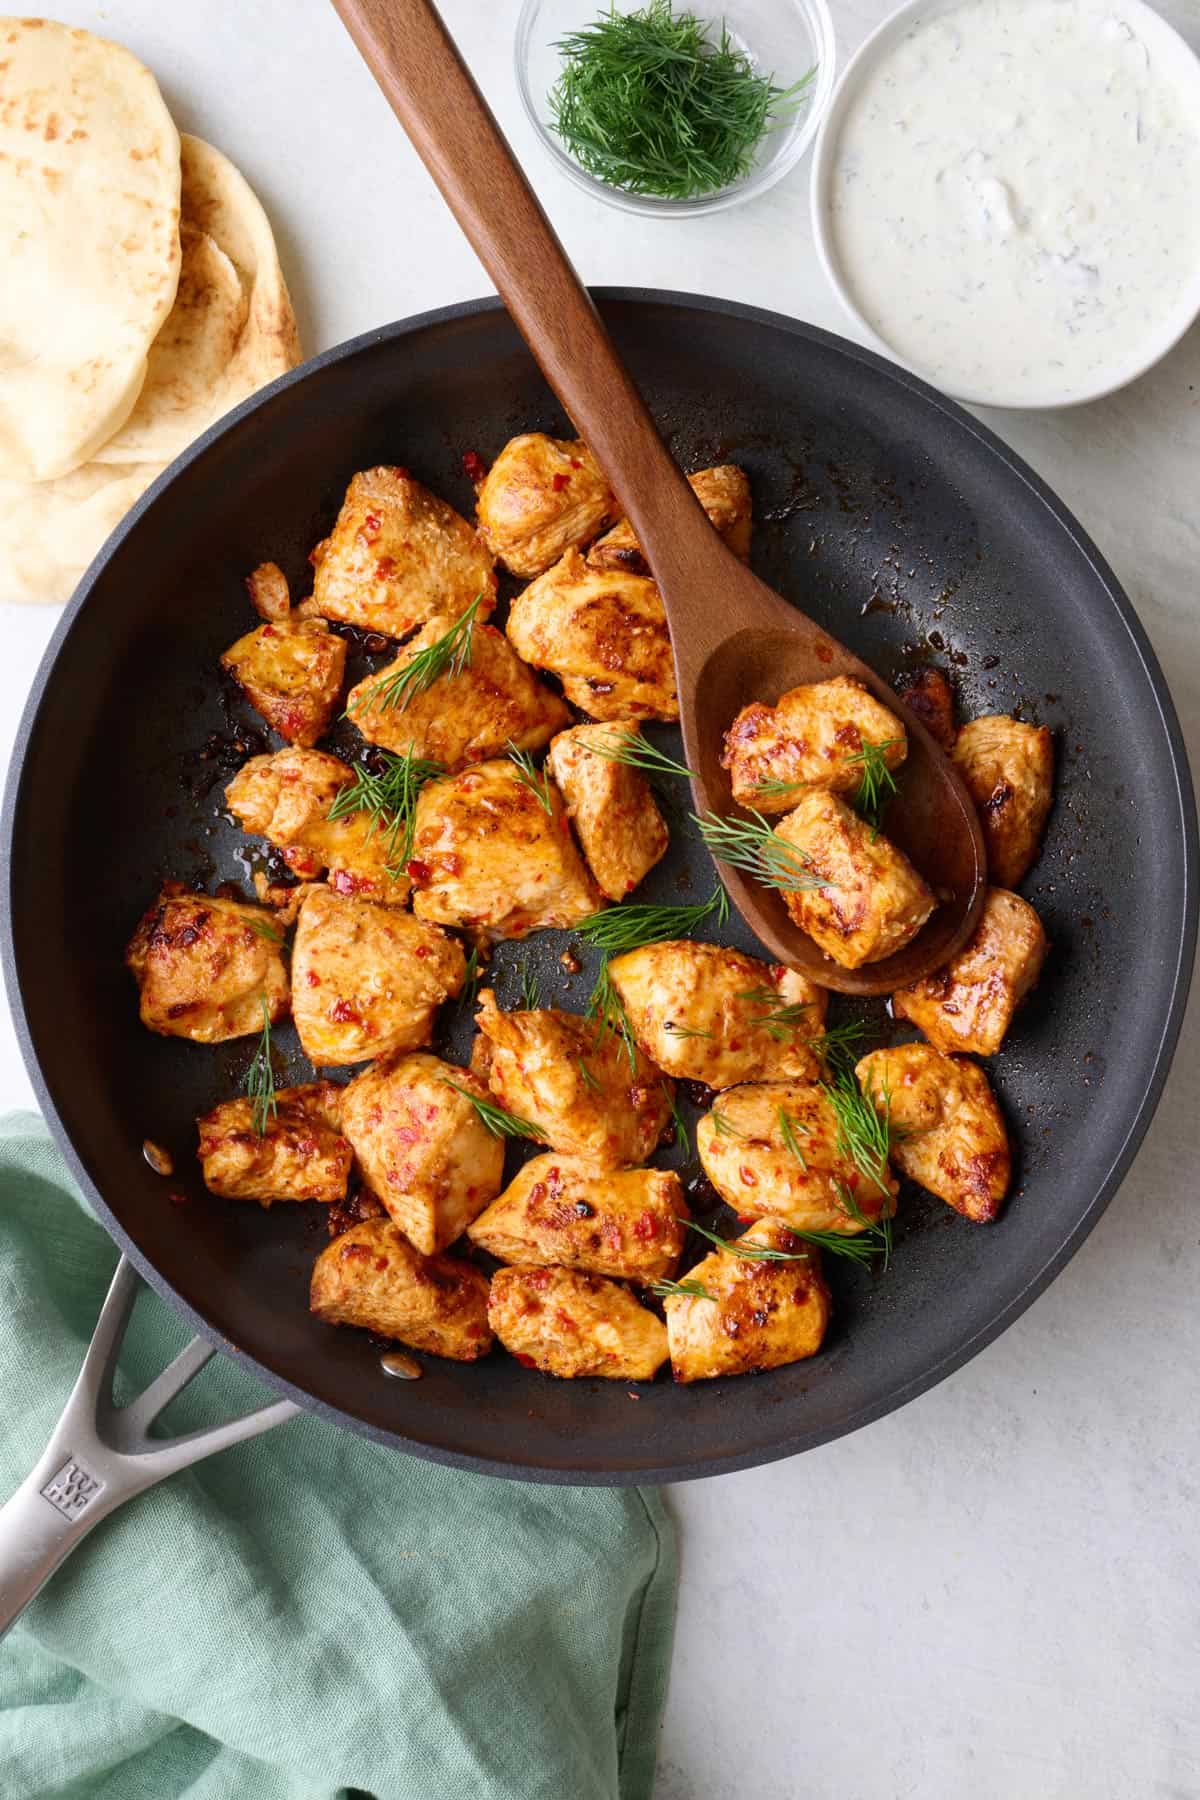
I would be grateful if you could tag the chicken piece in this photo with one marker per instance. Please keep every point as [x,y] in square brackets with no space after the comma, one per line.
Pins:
[541,496]
[604,634]
[367,979]
[723,492]
[493,701]
[291,672]
[812,737]
[950,1134]
[495,855]
[1008,767]
[752,1161]
[398,556]
[205,967]
[969,1004]
[575,1082]
[287,798]
[269,594]
[570,1324]
[761,1315]
[563,1211]
[422,1147]
[372,1277]
[612,808]
[706,1013]
[872,902]
[301,1154]
[927,692]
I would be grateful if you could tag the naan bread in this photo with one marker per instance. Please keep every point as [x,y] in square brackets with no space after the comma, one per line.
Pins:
[50,530]
[231,329]
[89,241]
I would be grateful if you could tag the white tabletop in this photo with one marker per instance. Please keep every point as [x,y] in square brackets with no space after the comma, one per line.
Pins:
[993,1591]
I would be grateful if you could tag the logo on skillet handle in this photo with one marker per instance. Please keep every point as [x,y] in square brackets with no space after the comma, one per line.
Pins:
[72,1489]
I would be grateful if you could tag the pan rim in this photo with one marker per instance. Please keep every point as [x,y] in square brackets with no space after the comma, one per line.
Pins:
[891,1397]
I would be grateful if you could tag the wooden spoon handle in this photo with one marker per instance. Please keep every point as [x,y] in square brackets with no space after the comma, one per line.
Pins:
[414,60]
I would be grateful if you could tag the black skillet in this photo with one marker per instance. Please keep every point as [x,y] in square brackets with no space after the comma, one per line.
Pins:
[894,518]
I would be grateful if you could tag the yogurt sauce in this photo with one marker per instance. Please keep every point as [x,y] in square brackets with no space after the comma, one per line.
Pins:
[1014,201]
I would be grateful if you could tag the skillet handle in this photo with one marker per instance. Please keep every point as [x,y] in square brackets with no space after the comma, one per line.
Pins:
[101,1455]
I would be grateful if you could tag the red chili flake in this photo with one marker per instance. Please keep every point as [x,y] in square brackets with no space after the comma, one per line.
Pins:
[538,1278]
[385,568]
[559,482]
[631,1395]
[371,524]
[342,882]
[474,467]
[748,1177]
[575,463]
[381,1263]
[312,978]
[419,872]
[526,1362]
[745,1218]
[177,1199]
[343,1013]
[645,1227]
[422,950]
[824,653]
[354,1252]
[267,631]
[179,1008]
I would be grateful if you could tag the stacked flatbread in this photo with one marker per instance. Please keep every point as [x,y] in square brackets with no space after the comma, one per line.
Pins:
[141,297]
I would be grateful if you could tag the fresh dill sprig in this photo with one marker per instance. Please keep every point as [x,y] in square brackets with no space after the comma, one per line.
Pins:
[531,988]
[854,1249]
[533,778]
[683,1031]
[388,793]
[637,752]
[682,1138]
[588,1076]
[838,1045]
[876,1231]
[788,1128]
[778,790]
[654,102]
[863,1132]
[258,1083]
[691,1290]
[722,1126]
[266,930]
[472,975]
[753,846]
[607,1008]
[782,1019]
[618,928]
[448,655]
[876,784]
[493,1118]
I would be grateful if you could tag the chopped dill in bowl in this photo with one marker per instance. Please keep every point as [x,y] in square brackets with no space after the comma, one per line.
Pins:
[654,102]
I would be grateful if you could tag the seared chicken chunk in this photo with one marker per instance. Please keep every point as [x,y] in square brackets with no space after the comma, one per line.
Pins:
[706,1013]
[398,556]
[811,737]
[291,672]
[367,979]
[541,496]
[760,1315]
[269,594]
[969,1004]
[748,1146]
[205,967]
[1009,768]
[575,1083]
[495,855]
[422,1147]
[492,701]
[611,807]
[372,1277]
[872,902]
[287,798]
[927,692]
[566,1323]
[723,492]
[604,634]
[301,1154]
[563,1211]
[950,1135]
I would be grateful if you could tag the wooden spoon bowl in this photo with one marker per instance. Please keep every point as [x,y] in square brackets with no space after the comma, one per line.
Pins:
[734,639]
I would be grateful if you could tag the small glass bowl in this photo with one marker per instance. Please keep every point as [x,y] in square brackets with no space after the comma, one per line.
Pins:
[783,38]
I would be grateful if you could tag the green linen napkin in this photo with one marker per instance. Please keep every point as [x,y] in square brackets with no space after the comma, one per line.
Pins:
[310,1613]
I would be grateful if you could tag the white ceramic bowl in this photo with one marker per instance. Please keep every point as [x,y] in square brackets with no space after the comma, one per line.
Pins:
[783,38]
[1136,358]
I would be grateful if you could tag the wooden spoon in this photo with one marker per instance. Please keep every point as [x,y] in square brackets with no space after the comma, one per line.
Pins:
[734,639]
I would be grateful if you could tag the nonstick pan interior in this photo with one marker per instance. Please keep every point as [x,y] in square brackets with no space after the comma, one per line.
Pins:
[887,513]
